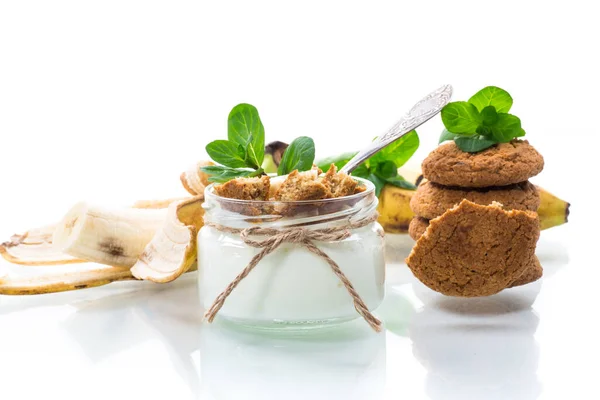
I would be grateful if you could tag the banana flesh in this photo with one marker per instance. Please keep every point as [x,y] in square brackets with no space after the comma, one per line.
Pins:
[105,236]
[172,250]
[35,248]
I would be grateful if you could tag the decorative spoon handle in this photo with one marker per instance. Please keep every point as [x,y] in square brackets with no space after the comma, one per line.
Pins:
[421,112]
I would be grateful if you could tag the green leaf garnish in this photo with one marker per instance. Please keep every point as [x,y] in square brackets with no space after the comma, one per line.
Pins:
[402,183]
[473,144]
[245,128]
[386,170]
[299,155]
[482,121]
[492,96]
[226,153]
[446,135]
[383,166]
[221,174]
[338,161]
[506,128]
[378,182]
[489,116]
[400,151]
[461,117]
[243,153]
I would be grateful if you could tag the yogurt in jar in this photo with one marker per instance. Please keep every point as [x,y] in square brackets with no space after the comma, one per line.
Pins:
[292,286]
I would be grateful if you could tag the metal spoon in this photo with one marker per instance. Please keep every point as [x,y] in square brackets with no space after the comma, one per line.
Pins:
[421,112]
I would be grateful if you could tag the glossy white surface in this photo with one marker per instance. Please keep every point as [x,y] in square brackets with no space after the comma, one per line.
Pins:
[148,341]
[110,101]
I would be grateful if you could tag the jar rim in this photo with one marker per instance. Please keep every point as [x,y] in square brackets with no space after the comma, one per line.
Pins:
[209,194]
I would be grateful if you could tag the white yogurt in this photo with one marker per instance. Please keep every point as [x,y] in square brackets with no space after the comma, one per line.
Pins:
[292,285]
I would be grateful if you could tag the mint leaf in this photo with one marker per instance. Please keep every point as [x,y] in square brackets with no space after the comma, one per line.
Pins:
[399,151]
[338,161]
[473,144]
[489,116]
[378,182]
[221,174]
[461,117]
[506,128]
[446,135]
[226,153]
[362,171]
[492,96]
[299,155]
[386,170]
[245,128]
[401,183]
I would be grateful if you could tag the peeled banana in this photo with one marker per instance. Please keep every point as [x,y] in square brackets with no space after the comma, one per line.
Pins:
[114,237]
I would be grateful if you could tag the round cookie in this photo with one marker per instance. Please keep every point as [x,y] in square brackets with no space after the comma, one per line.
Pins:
[500,165]
[432,200]
[474,250]
[531,274]
[417,227]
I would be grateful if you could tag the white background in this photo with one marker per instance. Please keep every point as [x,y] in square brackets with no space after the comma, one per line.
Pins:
[109,101]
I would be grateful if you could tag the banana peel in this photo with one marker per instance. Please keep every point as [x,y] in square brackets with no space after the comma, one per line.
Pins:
[395,213]
[172,251]
[60,282]
[35,247]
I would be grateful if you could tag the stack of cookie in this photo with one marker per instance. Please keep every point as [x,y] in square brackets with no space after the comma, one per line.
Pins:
[498,174]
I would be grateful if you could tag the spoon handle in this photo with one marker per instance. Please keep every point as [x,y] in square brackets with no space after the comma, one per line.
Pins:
[421,112]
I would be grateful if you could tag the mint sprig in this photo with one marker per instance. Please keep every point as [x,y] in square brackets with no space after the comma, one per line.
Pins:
[381,168]
[300,155]
[481,122]
[243,153]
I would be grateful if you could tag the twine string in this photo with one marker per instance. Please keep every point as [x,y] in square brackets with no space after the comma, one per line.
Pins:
[304,237]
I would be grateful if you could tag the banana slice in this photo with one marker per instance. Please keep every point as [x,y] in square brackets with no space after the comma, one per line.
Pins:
[60,282]
[172,251]
[113,237]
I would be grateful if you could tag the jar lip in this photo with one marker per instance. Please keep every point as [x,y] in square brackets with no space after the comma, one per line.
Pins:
[209,193]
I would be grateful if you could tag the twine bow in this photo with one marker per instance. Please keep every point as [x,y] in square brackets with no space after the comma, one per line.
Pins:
[304,237]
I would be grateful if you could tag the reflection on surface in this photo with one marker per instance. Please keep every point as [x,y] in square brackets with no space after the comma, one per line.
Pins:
[172,312]
[343,362]
[480,348]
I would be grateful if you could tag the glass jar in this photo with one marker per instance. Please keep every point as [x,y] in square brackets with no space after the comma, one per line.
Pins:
[291,287]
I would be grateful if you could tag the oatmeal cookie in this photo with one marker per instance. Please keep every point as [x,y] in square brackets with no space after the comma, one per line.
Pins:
[432,200]
[418,226]
[473,250]
[531,274]
[500,165]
